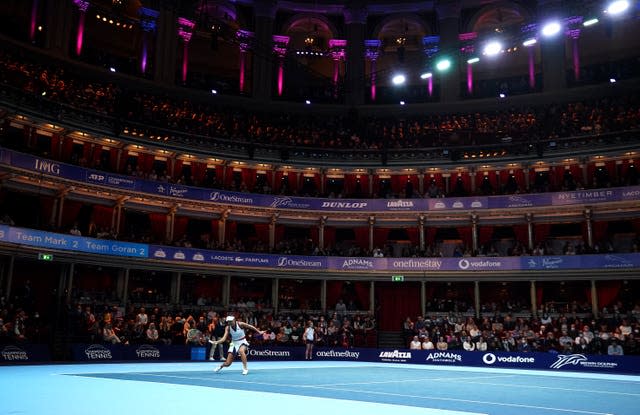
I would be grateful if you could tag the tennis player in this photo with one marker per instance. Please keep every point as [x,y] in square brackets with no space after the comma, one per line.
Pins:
[239,344]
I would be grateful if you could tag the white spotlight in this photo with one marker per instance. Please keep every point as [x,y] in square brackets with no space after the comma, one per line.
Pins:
[617,7]
[112,69]
[551,29]
[214,91]
[401,102]
[530,42]
[612,80]
[426,75]
[307,102]
[398,79]
[590,22]
[443,65]
[473,60]
[492,48]
[502,95]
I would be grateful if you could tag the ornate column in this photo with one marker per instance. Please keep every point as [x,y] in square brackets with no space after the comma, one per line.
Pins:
[421,182]
[222,225]
[148,23]
[272,231]
[423,298]
[421,221]
[574,24]
[337,53]
[323,223]
[588,214]
[185,31]
[529,218]
[553,53]
[594,299]
[372,297]
[83,6]
[467,49]
[476,297]
[166,45]
[171,218]
[355,20]
[534,299]
[280,44]
[449,21]
[530,31]
[265,12]
[371,221]
[474,232]
[34,21]
[372,52]
[245,39]
[430,46]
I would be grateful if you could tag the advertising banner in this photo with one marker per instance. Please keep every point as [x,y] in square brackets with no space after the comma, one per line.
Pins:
[71,172]
[24,353]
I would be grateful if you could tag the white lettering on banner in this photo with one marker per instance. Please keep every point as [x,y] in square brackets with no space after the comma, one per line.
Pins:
[252,260]
[593,194]
[344,205]
[223,258]
[160,254]
[97,351]
[55,241]
[270,353]
[177,191]
[476,204]
[96,247]
[518,201]
[47,167]
[457,205]
[1,234]
[631,194]
[146,351]
[21,236]
[332,353]
[444,357]
[179,255]
[466,264]
[222,197]
[357,263]
[395,355]
[160,188]
[283,261]
[124,249]
[97,177]
[287,202]
[118,181]
[14,353]
[439,205]
[417,263]
[490,358]
[198,257]
[615,261]
[400,204]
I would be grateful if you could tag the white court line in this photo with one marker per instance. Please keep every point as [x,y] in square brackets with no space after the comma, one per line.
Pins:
[576,411]
[511,385]
[411,381]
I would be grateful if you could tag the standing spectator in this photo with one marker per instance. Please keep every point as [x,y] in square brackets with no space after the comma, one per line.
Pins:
[309,339]
[615,349]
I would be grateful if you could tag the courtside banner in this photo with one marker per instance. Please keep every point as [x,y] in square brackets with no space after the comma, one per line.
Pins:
[276,353]
[71,172]
[24,353]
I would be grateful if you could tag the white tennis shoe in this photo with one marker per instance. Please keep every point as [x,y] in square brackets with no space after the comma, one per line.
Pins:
[245,371]
[219,368]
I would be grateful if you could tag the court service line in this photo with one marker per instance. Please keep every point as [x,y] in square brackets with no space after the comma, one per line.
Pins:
[412,380]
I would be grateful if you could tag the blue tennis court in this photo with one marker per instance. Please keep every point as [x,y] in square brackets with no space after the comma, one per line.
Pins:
[310,388]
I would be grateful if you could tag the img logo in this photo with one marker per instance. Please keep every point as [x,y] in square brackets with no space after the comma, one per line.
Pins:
[98,352]
[14,353]
[281,202]
[47,166]
[147,351]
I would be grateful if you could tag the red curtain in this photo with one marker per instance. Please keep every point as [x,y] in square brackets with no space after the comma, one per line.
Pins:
[70,210]
[102,215]
[208,287]
[179,227]
[607,292]
[522,234]
[361,289]
[414,236]
[262,232]
[396,301]
[465,234]
[541,232]
[158,225]
[430,235]
[334,293]
[362,237]
[329,236]
[380,237]
[484,234]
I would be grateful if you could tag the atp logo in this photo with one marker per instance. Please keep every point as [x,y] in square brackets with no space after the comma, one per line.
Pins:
[568,359]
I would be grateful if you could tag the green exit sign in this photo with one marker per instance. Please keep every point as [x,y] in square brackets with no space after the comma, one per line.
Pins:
[45,257]
[397,278]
